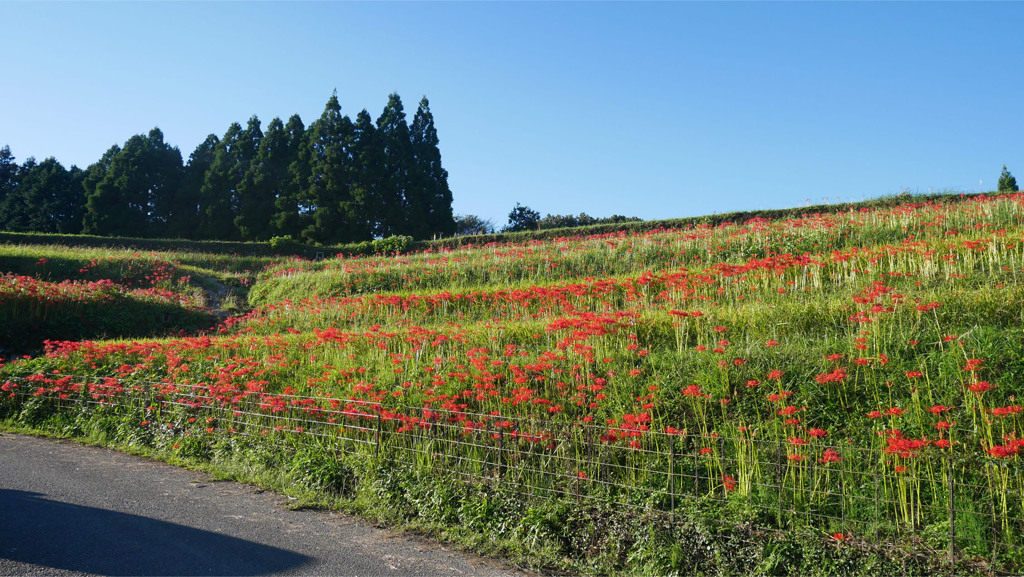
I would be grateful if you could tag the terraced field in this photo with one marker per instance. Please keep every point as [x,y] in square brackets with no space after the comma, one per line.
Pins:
[829,393]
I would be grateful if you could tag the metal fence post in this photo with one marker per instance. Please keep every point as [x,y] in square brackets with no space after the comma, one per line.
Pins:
[952,513]
[501,457]
[672,483]
[380,433]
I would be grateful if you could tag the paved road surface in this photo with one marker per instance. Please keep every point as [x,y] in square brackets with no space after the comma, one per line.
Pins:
[68,509]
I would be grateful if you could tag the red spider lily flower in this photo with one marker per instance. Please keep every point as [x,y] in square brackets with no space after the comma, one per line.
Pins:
[914,374]
[772,343]
[900,469]
[720,329]
[834,377]
[796,441]
[775,374]
[942,443]
[839,537]
[1006,411]
[581,475]
[944,425]
[1001,452]
[973,365]
[797,457]
[874,415]
[818,433]
[753,383]
[939,409]
[834,357]
[693,391]
[894,412]
[705,450]
[830,456]
[980,387]
[728,482]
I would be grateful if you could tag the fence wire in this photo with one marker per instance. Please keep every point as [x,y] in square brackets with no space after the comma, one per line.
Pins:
[955,499]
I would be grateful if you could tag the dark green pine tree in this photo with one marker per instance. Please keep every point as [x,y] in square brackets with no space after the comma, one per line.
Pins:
[291,215]
[16,206]
[186,214]
[1007,183]
[95,174]
[48,198]
[368,174]
[263,183]
[137,190]
[8,183]
[430,201]
[336,216]
[219,194]
[398,160]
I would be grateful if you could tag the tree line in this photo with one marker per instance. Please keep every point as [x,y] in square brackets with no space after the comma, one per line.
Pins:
[335,181]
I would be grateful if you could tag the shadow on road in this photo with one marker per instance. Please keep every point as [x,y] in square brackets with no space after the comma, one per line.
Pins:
[48,533]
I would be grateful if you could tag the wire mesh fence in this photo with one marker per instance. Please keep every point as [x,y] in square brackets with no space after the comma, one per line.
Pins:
[960,500]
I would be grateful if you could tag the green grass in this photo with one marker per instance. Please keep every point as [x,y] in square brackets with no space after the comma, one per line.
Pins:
[790,380]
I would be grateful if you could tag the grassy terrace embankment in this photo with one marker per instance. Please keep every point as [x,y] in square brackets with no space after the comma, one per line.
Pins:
[809,394]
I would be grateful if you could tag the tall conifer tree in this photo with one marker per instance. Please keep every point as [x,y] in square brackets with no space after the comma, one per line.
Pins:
[264,182]
[135,194]
[16,207]
[219,193]
[335,213]
[187,211]
[291,215]
[8,182]
[431,210]
[368,174]
[48,198]
[394,134]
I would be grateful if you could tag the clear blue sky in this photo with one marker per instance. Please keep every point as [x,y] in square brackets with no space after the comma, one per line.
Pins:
[654,110]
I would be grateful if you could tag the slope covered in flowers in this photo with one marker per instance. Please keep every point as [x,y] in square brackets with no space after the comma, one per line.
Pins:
[856,362]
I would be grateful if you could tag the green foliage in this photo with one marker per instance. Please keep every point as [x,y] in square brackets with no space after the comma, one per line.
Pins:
[338,182]
[522,218]
[470,224]
[284,244]
[318,469]
[383,402]
[1007,183]
[40,196]
[429,199]
[130,191]
[396,244]
[583,219]
[266,179]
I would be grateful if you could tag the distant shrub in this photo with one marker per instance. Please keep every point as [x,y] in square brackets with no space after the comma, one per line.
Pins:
[285,244]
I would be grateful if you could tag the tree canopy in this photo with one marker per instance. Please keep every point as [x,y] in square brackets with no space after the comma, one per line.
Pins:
[1007,183]
[334,181]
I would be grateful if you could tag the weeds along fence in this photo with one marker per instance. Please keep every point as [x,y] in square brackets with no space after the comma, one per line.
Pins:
[953,500]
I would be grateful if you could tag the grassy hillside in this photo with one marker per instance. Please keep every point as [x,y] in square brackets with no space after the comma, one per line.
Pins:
[52,292]
[828,393]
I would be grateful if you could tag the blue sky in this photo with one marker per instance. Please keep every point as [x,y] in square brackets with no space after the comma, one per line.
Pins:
[654,110]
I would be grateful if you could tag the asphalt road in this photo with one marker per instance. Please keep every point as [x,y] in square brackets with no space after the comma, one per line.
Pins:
[68,509]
